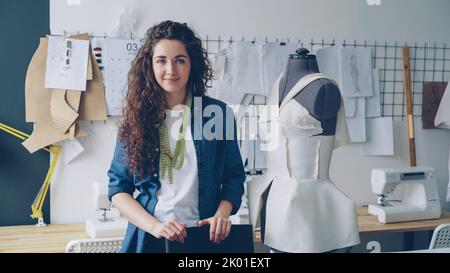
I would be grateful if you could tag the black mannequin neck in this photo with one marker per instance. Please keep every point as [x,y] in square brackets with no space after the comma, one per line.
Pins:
[295,70]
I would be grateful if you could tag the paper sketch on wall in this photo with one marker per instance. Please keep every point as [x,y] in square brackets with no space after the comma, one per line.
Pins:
[224,80]
[67,63]
[352,69]
[356,73]
[245,70]
[244,67]
[355,78]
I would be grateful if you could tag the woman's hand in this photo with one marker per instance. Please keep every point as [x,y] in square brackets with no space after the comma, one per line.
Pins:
[220,223]
[171,230]
[219,229]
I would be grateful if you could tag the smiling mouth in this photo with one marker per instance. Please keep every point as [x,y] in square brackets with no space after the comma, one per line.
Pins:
[171,80]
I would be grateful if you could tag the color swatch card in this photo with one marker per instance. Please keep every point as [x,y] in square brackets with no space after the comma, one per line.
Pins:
[67,61]
[118,55]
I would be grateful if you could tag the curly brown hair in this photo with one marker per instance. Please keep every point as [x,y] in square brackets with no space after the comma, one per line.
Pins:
[145,103]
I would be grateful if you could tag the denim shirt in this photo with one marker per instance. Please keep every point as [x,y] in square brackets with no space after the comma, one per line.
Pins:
[220,172]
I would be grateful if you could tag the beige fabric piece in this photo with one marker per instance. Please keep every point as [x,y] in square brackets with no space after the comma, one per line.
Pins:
[93,100]
[37,101]
[87,105]
[63,116]
[35,92]
[305,211]
[73,98]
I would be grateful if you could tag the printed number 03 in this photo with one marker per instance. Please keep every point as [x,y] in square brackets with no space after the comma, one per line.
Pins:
[131,46]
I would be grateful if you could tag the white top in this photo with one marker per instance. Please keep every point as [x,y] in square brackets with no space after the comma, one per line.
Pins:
[179,200]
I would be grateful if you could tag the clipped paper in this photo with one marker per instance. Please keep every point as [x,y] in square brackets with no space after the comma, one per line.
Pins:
[71,149]
[117,56]
[67,63]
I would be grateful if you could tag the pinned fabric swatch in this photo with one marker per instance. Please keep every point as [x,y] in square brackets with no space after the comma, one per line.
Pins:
[431,98]
[442,119]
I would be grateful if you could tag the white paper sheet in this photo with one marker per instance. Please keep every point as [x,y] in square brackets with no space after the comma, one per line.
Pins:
[349,107]
[59,74]
[329,63]
[117,56]
[274,58]
[222,89]
[357,124]
[373,106]
[380,139]
[356,72]
[246,68]
[71,149]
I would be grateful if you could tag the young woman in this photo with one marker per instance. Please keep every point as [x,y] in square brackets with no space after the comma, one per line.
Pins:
[184,178]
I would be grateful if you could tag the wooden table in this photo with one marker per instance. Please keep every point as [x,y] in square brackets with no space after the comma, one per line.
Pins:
[368,224]
[49,239]
[54,238]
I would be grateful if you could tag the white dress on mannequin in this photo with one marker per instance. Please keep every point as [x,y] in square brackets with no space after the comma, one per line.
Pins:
[305,211]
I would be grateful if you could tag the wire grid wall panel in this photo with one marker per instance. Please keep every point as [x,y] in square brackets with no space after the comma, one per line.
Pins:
[429,62]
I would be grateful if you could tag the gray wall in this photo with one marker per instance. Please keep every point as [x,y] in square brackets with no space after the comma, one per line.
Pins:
[22,22]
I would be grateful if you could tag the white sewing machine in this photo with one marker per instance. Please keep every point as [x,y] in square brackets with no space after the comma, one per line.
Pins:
[105,226]
[420,195]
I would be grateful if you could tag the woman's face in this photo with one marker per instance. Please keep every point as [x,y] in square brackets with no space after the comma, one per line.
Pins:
[171,65]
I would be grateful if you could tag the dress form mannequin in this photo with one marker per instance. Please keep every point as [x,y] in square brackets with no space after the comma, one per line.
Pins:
[296,199]
[321,98]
